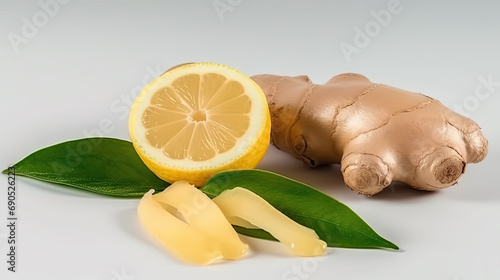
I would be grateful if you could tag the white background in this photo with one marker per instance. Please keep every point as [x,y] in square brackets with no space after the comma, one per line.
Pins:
[79,66]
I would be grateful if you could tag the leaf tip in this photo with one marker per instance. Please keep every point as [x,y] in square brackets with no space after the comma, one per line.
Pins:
[5,171]
[390,245]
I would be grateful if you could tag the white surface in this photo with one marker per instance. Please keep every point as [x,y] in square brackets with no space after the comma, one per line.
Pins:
[77,73]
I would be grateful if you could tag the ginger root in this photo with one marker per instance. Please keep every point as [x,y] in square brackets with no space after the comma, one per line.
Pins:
[377,133]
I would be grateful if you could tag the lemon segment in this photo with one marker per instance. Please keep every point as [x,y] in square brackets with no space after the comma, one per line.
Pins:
[198,119]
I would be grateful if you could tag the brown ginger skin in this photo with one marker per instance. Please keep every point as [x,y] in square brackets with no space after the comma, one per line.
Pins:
[377,133]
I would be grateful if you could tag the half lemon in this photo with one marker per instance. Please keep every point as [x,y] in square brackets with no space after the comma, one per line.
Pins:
[198,119]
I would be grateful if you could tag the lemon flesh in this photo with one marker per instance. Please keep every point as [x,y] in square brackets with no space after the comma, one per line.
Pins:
[198,119]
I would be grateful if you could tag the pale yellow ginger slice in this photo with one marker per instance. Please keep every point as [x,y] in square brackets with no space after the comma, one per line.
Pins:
[245,208]
[203,215]
[183,240]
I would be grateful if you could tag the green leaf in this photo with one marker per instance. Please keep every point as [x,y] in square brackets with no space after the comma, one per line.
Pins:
[101,165]
[334,222]
[257,233]
[112,167]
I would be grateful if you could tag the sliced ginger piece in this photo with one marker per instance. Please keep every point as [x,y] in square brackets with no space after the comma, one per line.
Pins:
[183,240]
[245,208]
[201,213]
